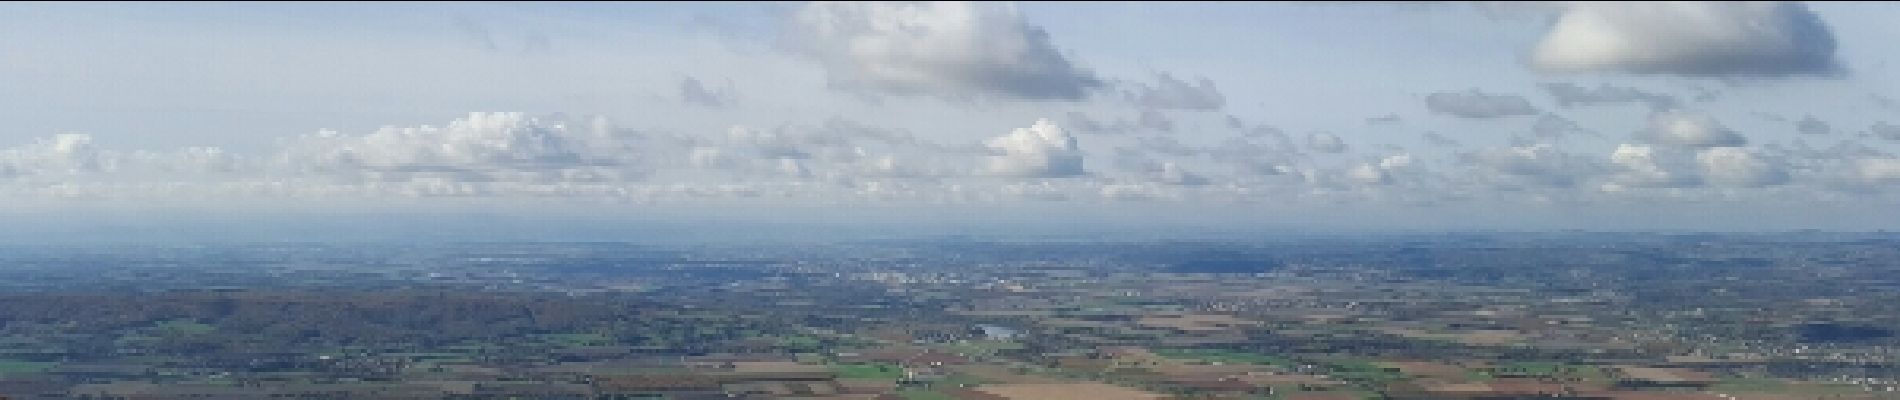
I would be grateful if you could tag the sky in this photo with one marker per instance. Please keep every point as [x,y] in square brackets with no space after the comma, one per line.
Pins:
[1271,115]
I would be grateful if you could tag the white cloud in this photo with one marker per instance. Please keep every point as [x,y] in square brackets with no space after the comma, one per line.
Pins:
[1169,93]
[949,49]
[1041,150]
[1681,128]
[1688,38]
[512,155]
[483,147]
[765,144]
[1176,175]
[1879,170]
[1385,171]
[1654,167]
[1252,158]
[188,160]
[69,153]
[837,151]
[793,167]
[1477,104]
[1396,161]
[1325,143]
[1131,192]
[1368,174]
[1535,165]
[709,157]
[1735,167]
[1044,191]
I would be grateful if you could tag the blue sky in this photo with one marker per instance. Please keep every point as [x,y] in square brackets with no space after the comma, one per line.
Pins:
[1427,115]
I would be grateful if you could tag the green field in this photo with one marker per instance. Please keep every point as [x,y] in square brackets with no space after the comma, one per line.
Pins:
[1777,386]
[918,394]
[958,380]
[185,327]
[1532,368]
[983,347]
[1750,385]
[575,339]
[800,342]
[24,367]
[869,371]
[1362,371]
[1225,356]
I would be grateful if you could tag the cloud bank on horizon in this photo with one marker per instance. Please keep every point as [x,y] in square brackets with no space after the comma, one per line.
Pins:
[840,103]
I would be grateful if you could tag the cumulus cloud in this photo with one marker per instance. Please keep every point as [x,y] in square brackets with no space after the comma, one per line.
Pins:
[68,153]
[1649,166]
[1254,158]
[1735,167]
[1368,174]
[1534,165]
[1131,192]
[1169,93]
[837,151]
[1681,128]
[1572,95]
[1382,172]
[1477,104]
[1809,125]
[1688,38]
[1176,175]
[1878,170]
[1041,150]
[73,158]
[1325,142]
[948,49]
[485,147]
[1396,161]
[762,153]
[837,160]
[692,91]
[1884,130]
[188,160]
